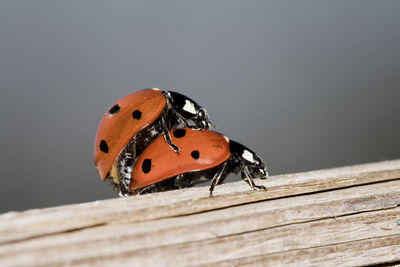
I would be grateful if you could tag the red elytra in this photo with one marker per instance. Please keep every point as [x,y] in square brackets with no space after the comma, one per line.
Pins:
[200,150]
[126,117]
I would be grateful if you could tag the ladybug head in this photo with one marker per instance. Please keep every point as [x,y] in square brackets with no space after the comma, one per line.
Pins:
[189,110]
[249,159]
[201,119]
[258,169]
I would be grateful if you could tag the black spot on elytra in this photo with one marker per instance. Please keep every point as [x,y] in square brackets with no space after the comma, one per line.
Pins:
[146,166]
[195,154]
[179,133]
[137,114]
[103,146]
[114,109]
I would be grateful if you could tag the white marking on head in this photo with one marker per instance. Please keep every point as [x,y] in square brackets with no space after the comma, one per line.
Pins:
[189,107]
[156,89]
[247,155]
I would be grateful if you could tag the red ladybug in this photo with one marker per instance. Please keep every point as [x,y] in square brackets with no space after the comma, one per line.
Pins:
[134,121]
[203,154]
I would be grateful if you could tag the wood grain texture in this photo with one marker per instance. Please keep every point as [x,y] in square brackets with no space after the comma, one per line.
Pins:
[343,216]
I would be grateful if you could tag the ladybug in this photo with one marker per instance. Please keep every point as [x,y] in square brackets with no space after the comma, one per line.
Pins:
[203,154]
[134,121]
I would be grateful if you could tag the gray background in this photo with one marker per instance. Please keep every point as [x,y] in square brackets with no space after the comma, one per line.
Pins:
[306,84]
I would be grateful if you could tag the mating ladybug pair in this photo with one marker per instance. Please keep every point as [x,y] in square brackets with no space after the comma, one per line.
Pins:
[140,149]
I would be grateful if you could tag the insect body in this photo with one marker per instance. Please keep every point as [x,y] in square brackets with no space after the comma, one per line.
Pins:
[132,122]
[203,154]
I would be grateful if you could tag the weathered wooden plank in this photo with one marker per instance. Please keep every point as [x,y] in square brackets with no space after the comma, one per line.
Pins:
[204,229]
[15,226]
[382,251]
[305,236]
[325,217]
[347,238]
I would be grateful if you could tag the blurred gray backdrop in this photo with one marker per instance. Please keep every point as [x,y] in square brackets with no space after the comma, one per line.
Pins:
[306,84]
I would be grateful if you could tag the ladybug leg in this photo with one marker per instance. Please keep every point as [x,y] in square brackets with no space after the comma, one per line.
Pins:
[162,186]
[146,190]
[177,114]
[167,137]
[180,118]
[217,177]
[249,179]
